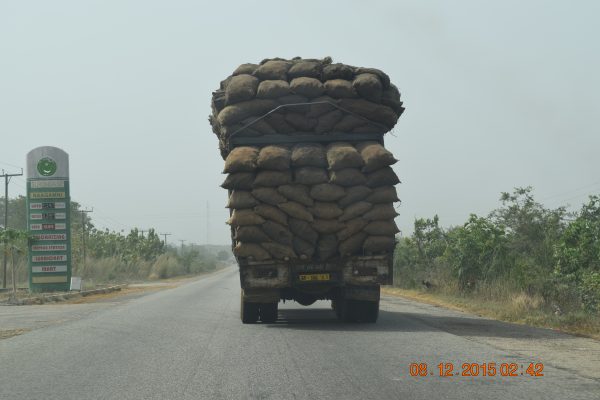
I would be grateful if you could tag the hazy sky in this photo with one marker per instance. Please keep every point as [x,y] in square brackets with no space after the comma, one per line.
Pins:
[497,94]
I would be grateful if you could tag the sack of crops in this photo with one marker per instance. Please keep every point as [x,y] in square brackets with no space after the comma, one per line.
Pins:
[251,250]
[348,123]
[297,193]
[268,195]
[309,69]
[378,244]
[241,159]
[355,210]
[340,88]
[374,112]
[383,194]
[301,122]
[308,87]
[268,178]
[327,192]
[338,71]
[327,226]
[241,88]
[274,158]
[278,122]
[383,77]
[368,86]
[382,177]
[241,199]
[327,121]
[239,181]
[380,212]
[326,210]
[385,228]
[310,175]
[353,245]
[240,111]
[326,247]
[273,70]
[247,68]
[296,210]
[347,177]
[245,217]
[351,228]
[375,156]
[250,234]
[343,155]
[277,232]
[279,251]
[321,105]
[271,213]
[272,89]
[354,194]
[304,249]
[303,230]
[309,155]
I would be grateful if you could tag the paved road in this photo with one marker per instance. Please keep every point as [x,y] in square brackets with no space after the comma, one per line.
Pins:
[188,343]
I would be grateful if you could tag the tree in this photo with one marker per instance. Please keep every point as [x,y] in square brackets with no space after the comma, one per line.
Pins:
[14,243]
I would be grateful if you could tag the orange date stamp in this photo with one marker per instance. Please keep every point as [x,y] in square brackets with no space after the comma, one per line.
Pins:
[486,369]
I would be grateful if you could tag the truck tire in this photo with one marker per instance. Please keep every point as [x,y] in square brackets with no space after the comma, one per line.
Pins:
[348,310]
[367,311]
[268,312]
[248,311]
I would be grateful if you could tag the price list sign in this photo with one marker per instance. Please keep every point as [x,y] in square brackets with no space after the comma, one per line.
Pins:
[48,219]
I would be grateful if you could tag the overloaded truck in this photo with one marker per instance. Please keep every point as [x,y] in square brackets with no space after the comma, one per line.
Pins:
[311,190]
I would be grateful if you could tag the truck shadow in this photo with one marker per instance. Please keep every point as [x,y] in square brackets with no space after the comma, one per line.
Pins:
[325,320]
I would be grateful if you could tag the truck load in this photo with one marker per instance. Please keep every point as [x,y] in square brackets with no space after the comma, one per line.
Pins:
[311,189]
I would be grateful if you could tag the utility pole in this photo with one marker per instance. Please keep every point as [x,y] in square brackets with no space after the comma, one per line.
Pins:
[165,235]
[207,222]
[6,182]
[182,241]
[83,215]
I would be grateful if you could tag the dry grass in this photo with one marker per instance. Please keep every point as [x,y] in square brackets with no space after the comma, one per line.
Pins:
[12,332]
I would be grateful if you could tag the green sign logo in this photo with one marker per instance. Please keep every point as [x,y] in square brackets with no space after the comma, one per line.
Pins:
[46,166]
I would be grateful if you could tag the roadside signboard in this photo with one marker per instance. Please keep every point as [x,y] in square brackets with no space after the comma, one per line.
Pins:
[48,219]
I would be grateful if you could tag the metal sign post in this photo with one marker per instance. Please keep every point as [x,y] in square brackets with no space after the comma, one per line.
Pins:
[48,219]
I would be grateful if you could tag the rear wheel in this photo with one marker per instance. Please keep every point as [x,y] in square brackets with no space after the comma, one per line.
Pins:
[268,312]
[348,310]
[367,311]
[248,311]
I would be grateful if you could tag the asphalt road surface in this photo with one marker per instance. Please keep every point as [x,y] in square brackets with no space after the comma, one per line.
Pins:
[188,343]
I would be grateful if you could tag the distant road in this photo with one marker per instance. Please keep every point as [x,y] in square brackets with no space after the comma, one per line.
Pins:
[188,343]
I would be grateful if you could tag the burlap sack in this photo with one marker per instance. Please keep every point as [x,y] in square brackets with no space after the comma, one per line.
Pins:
[268,195]
[309,69]
[375,156]
[321,105]
[241,88]
[353,245]
[327,247]
[372,111]
[240,111]
[302,248]
[241,159]
[269,178]
[308,155]
[259,126]
[383,194]
[381,212]
[279,251]
[391,98]
[295,103]
[271,213]
[250,234]
[351,228]
[354,194]
[327,226]
[382,177]
[239,181]
[347,177]
[247,68]
[296,210]
[277,232]
[308,87]
[379,244]
[273,70]
[241,199]
[349,123]
[368,86]
[343,155]
[340,88]
[274,158]
[310,175]
[297,193]
[385,228]
[303,230]
[301,122]
[327,192]
[355,210]
[245,217]
[272,89]
[326,122]
[277,121]
[385,79]
[251,250]
[337,71]
[325,210]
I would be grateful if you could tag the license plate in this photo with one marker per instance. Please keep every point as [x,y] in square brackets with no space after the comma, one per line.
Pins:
[314,277]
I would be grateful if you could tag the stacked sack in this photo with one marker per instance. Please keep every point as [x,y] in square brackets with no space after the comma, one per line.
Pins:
[334,97]
[311,202]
